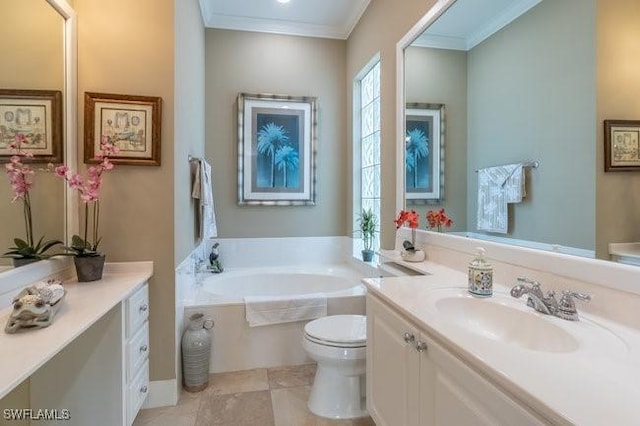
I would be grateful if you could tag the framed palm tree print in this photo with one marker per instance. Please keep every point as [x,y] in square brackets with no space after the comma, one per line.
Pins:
[424,152]
[276,149]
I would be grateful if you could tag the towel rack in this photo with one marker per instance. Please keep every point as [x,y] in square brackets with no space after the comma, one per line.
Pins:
[192,158]
[531,164]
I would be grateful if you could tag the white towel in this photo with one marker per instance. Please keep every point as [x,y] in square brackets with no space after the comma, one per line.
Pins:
[203,190]
[265,310]
[498,186]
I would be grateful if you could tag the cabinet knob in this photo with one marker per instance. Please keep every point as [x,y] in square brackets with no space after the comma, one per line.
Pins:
[144,348]
[421,346]
[143,389]
[144,308]
[408,337]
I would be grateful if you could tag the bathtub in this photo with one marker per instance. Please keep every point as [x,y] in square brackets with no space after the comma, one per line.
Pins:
[235,345]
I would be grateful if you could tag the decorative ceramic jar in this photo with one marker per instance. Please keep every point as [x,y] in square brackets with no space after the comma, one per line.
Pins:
[196,350]
[89,268]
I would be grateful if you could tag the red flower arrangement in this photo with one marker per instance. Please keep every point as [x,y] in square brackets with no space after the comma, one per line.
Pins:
[406,216]
[438,219]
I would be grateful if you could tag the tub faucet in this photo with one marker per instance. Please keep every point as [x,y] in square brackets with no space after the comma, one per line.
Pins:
[565,308]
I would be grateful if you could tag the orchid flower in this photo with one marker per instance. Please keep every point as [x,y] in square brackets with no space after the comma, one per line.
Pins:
[89,190]
[438,219]
[21,179]
[410,217]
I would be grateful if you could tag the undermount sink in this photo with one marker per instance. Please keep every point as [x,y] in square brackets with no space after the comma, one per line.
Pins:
[506,320]
[505,323]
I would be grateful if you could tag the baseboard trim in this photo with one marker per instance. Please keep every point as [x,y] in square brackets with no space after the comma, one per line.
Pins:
[162,393]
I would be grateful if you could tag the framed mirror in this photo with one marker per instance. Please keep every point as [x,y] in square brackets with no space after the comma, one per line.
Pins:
[42,56]
[518,88]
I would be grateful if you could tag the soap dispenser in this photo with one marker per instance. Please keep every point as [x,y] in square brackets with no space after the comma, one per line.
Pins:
[480,275]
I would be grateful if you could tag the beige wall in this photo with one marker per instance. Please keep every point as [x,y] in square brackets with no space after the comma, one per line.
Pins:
[127,47]
[618,71]
[532,97]
[381,27]
[33,59]
[238,61]
[440,76]
[189,118]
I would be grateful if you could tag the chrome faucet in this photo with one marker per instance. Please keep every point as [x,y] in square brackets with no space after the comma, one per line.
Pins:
[548,305]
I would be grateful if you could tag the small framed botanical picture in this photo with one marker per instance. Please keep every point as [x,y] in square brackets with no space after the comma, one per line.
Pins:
[132,123]
[36,117]
[276,150]
[621,145]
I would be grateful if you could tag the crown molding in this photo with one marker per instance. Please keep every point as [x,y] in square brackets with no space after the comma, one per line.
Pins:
[355,18]
[441,42]
[274,26]
[243,23]
[500,21]
[485,31]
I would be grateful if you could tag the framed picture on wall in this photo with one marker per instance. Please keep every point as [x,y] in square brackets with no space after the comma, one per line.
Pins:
[132,123]
[276,149]
[424,152]
[621,145]
[35,116]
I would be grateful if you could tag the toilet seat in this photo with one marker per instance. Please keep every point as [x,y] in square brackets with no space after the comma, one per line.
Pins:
[341,331]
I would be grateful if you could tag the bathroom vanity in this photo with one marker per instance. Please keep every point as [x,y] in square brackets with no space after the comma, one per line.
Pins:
[413,380]
[92,361]
[437,355]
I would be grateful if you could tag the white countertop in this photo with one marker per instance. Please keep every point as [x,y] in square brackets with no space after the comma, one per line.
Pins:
[21,354]
[565,388]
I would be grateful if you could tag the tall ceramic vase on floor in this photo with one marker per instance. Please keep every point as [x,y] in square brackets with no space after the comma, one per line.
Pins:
[196,350]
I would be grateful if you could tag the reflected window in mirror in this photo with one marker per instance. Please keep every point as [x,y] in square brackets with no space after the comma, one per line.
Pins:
[367,143]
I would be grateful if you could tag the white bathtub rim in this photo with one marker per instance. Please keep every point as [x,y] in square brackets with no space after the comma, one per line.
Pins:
[202,298]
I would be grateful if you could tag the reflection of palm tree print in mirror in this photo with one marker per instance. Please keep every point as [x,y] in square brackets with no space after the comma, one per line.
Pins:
[278,151]
[416,153]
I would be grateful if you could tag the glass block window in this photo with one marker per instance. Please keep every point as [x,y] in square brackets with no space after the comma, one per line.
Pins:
[369,107]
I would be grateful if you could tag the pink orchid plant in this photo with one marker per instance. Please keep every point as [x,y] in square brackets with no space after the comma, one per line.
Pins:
[21,179]
[89,190]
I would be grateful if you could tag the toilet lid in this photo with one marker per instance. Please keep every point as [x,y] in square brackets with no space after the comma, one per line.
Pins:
[338,330]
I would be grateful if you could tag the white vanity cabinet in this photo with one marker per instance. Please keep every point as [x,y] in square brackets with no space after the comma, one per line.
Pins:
[137,351]
[412,380]
[92,362]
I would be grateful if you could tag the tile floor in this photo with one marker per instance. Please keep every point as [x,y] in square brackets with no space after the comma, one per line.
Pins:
[261,397]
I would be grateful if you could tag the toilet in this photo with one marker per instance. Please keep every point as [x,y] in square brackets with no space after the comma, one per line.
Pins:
[338,343]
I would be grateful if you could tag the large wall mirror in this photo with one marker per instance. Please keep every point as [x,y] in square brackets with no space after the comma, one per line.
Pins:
[39,54]
[517,81]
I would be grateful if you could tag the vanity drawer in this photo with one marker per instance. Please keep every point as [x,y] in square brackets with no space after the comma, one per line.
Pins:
[137,392]
[137,351]
[137,310]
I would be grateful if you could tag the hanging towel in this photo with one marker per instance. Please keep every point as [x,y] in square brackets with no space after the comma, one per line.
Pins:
[266,310]
[203,190]
[498,186]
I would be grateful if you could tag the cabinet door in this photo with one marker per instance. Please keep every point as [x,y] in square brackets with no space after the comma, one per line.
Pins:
[392,367]
[463,397]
